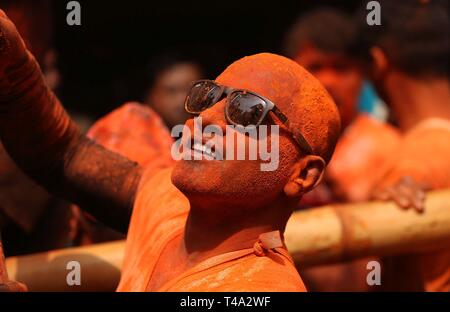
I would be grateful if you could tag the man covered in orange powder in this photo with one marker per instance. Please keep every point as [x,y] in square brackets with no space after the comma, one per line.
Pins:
[409,59]
[205,225]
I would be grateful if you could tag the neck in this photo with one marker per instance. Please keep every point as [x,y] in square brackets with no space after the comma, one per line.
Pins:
[414,100]
[209,233]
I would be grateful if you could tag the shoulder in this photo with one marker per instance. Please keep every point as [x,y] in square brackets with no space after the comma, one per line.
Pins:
[158,207]
[248,274]
[136,132]
[433,132]
[422,154]
[157,195]
[427,143]
[272,273]
[365,140]
[364,146]
[159,211]
[367,133]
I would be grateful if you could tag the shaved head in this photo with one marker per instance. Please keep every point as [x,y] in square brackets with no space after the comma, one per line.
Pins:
[309,108]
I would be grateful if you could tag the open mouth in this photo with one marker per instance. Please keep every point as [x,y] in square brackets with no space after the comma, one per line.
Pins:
[207,152]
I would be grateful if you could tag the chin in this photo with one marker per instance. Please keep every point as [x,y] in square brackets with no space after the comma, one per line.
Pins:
[225,183]
[180,175]
[196,177]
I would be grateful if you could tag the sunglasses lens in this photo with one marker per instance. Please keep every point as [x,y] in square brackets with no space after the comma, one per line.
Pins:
[245,109]
[202,96]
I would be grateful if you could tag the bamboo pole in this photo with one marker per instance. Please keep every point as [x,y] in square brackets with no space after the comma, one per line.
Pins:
[99,268]
[315,236]
[332,234]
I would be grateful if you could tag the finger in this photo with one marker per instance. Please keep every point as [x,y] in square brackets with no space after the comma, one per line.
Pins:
[22,287]
[402,202]
[13,287]
[399,198]
[413,192]
[419,202]
[407,180]
[421,195]
[406,189]
[4,288]
[16,286]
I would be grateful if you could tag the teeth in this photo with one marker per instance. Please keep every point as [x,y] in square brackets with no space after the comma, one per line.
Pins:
[203,149]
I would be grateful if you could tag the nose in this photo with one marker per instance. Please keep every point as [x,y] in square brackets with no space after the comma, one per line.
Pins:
[215,115]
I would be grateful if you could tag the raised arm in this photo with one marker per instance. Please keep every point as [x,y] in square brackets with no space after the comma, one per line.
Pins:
[48,146]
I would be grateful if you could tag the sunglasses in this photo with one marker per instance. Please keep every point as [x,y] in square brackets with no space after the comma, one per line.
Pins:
[243,107]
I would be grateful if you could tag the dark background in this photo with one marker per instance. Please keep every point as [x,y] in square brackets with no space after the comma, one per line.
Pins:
[103,61]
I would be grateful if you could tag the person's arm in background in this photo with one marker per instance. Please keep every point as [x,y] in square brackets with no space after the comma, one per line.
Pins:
[47,145]
[420,164]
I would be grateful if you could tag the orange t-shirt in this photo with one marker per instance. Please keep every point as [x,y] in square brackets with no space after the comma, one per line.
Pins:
[159,215]
[424,155]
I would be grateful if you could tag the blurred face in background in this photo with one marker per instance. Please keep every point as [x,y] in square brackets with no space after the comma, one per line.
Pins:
[340,75]
[169,91]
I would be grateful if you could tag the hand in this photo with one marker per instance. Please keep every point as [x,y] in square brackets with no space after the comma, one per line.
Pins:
[406,193]
[12,47]
[5,284]
[11,286]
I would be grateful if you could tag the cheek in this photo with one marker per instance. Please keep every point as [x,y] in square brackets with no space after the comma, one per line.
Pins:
[245,183]
[237,180]
[265,183]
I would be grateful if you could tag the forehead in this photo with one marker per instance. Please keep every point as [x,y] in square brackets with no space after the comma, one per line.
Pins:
[275,78]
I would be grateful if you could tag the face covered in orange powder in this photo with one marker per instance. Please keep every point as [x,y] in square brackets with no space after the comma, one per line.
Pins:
[241,184]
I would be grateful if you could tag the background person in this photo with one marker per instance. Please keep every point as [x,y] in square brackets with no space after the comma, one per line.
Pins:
[408,58]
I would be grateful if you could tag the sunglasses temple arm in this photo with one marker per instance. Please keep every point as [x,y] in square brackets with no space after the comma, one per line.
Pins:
[300,139]
[280,115]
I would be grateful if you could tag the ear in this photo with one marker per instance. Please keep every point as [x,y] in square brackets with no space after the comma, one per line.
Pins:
[307,174]
[380,62]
